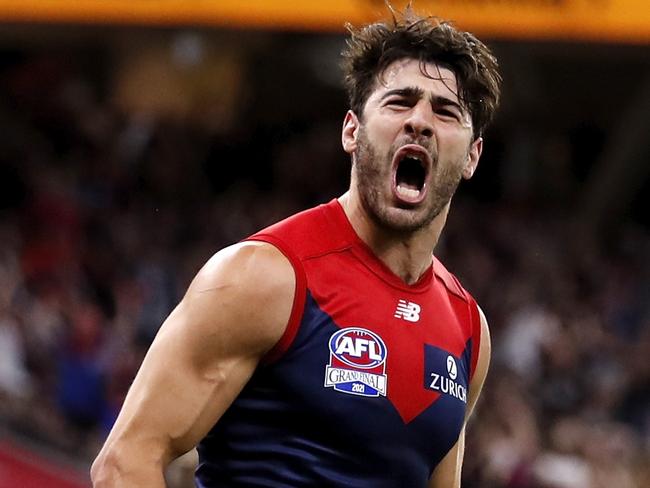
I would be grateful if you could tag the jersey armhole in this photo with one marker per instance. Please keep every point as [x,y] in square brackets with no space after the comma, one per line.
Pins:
[476,334]
[299,297]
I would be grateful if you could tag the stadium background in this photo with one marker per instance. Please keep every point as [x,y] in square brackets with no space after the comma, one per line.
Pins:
[135,140]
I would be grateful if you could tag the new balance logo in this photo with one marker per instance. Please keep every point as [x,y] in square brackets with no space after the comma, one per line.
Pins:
[408,311]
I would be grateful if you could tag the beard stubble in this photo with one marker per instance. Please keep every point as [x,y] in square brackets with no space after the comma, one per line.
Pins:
[373,174]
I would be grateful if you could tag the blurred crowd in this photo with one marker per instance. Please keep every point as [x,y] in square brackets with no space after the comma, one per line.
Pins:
[105,216]
[567,401]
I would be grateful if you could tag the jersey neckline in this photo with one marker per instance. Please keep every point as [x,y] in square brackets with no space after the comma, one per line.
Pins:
[336,214]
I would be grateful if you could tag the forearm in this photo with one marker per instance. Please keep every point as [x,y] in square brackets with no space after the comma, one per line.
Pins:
[118,468]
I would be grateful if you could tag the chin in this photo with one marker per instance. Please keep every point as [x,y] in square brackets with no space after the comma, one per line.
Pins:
[403,220]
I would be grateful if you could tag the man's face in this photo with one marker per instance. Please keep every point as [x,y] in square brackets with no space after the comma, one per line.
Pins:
[412,145]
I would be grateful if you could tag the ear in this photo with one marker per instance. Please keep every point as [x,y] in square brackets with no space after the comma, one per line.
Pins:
[473,155]
[349,132]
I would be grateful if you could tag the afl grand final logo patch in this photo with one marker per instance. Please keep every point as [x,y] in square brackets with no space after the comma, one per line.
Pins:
[357,363]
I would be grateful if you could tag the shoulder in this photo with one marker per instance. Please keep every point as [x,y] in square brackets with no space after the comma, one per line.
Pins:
[482,361]
[307,233]
[485,329]
[252,284]
[449,280]
[485,349]
[245,263]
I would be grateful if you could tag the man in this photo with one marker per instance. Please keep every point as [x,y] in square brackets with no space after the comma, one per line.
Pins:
[333,349]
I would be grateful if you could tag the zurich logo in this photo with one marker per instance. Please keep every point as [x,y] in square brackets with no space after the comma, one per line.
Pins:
[358,348]
[451,367]
[444,373]
[357,363]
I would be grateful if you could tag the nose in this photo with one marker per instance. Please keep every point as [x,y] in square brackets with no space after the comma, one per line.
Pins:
[419,122]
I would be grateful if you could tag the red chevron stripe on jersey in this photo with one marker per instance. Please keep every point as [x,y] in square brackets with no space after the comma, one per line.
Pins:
[351,285]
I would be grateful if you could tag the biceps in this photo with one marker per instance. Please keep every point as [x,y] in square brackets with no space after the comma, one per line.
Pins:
[178,395]
[189,397]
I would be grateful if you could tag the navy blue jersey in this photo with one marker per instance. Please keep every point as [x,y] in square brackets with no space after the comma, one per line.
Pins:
[368,385]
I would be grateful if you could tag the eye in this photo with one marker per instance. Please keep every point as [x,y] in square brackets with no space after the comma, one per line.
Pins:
[398,102]
[447,113]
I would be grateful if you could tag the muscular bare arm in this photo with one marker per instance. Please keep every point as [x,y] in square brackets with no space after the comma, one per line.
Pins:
[448,473]
[234,311]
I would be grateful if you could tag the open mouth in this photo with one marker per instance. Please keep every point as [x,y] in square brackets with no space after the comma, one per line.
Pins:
[410,167]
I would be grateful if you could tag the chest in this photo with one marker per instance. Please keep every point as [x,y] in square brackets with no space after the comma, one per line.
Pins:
[382,364]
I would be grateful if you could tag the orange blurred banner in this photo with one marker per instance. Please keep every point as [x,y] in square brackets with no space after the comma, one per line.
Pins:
[595,20]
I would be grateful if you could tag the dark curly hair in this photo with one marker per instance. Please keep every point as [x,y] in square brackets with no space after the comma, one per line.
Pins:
[372,48]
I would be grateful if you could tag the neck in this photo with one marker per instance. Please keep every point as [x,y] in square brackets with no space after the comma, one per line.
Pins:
[407,254]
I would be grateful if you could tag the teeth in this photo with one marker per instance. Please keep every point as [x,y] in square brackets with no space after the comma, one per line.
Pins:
[417,157]
[407,192]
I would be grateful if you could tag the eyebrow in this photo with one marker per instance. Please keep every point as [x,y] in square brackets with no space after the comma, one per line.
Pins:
[417,92]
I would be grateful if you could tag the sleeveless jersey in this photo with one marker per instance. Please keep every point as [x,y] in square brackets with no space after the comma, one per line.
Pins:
[368,385]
